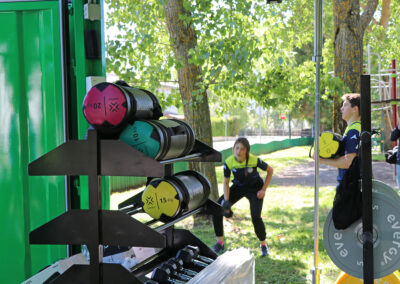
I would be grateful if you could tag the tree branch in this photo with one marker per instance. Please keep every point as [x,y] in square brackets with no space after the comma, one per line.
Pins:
[368,13]
[162,24]
[385,15]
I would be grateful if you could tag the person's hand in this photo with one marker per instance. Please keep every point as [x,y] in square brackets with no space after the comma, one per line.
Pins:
[313,157]
[226,208]
[260,194]
[311,153]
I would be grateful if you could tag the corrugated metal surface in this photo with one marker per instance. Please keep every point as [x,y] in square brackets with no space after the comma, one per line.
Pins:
[31,115]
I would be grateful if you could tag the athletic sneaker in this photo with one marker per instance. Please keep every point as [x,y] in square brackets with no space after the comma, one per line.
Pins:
[264,251]
[217,248]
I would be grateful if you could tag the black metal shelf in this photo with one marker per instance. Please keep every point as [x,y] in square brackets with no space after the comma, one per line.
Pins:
[112,273]
[116,159]
[97,157]
[115,273]
[74,227]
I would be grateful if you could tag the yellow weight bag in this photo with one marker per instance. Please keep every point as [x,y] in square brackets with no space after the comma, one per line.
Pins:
[167,198]
[329,145]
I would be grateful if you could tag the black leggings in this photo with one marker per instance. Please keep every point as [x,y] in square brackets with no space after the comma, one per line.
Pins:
[255,208]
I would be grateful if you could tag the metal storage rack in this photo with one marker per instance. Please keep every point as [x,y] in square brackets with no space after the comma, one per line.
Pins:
[96,157]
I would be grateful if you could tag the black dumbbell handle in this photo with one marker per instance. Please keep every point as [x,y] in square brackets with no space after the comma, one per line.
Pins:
[199,263]
[163,274]
[202,258]
[175,273]
[178,281]
[181,276]
[187,257]
[175,281]
[189,272]
[169,280]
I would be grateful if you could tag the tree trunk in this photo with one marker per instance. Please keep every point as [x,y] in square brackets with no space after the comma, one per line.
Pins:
[338,124]
[349,28]
[195,101]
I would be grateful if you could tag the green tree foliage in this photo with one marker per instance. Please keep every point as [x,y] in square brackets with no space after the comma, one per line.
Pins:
[233,125]
[287,77]
[384,38]
[244,48]
[138,46]
[142,54]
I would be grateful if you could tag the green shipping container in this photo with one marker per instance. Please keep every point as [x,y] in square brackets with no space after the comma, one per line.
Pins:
[31,115]
[33,122]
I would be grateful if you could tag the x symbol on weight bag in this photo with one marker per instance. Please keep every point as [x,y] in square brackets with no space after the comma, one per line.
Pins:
[149,200]
[114,107]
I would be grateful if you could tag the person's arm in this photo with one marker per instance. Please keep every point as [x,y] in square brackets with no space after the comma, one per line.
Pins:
[227,177]
[226,188]
[261,192]
[343,162]
[351,148]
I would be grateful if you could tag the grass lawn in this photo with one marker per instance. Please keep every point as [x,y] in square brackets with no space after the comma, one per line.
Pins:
[288,214]
[378,156]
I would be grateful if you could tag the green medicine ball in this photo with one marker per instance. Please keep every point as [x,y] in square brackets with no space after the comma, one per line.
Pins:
[143,137]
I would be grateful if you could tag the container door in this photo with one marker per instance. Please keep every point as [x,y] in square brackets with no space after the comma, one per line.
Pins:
[31,116]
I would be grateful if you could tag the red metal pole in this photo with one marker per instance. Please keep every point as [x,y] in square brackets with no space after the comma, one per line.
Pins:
[394,90]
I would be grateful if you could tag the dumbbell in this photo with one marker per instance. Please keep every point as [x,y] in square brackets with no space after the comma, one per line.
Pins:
[175,273]
[164,275]
[196,251]
[226,208]
[179,263]
[188,258]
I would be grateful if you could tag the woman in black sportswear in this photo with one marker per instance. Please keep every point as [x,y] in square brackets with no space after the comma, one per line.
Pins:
[246,183]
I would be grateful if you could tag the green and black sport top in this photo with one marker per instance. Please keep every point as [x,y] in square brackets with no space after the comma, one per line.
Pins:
[238,169]
[351,141]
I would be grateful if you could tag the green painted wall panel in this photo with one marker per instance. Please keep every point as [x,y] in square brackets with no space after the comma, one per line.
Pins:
[31,112]
[11,201]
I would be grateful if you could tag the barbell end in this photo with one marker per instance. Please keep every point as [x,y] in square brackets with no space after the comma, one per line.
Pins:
[368,238]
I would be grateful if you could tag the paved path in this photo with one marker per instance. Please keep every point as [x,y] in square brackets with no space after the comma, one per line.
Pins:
[303,174]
